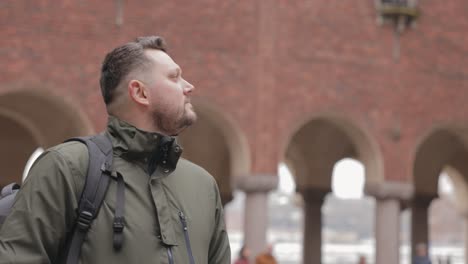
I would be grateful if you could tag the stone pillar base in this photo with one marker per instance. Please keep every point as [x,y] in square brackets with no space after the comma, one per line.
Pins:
[256,189]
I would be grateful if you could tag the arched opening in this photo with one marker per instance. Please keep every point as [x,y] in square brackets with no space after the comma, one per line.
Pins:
[348,179]
[30,120]
[348,215]
[439,207]
[316,150]
[217,144]
[17,143]
[234,216]
[286,219]
[446,224]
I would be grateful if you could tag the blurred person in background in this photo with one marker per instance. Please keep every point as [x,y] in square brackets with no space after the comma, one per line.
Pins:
[362,260]
[244,255]
[421,255]
[266,257]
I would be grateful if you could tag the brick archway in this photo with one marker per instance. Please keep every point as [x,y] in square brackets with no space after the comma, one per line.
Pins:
[317,144]
[313,150]
[31,120]
[444,148]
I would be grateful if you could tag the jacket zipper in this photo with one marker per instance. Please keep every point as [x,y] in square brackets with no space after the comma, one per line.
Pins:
[169,255]
[183,220]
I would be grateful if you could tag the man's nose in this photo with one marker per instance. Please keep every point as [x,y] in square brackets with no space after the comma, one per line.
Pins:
[188,87]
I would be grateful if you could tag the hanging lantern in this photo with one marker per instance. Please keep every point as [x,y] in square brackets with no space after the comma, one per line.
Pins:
[401,13]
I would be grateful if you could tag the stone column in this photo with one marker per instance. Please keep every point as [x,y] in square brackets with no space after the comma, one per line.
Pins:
[462,210]
[420,221]
[313,201]
[389,196]
[387,231]
[256,188]
[466,237]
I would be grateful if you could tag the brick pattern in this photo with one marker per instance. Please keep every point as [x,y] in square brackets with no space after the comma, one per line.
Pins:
[270,63]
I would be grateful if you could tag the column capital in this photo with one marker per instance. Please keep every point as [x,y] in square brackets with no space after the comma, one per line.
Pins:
[257,183]
[313,193]
[389,190]
[423,200]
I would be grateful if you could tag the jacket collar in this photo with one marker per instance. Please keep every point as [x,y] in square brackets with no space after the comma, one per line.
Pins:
[150,149]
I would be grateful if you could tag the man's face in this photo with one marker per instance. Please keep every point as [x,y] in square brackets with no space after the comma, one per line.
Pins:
[169,94]
[421,250]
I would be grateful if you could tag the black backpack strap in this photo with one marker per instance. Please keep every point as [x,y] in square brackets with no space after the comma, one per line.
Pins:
[119,221]
[95,188]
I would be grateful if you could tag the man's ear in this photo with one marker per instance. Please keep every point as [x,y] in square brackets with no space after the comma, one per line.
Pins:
[138,92]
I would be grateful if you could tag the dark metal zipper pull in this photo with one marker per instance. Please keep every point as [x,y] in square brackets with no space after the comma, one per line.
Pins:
[183,220]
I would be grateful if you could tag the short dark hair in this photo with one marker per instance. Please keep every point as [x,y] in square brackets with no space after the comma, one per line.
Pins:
[122,60]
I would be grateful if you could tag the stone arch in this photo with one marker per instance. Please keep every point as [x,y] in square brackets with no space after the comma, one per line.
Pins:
[460,189]
[314,148]
[216,143]
[443,148]
[319,142]
[32,119]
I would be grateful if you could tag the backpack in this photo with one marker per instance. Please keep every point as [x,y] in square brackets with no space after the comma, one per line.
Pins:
[96,185]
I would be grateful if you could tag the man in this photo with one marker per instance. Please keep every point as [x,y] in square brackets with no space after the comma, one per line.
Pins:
[421,254]
[173,212]
[266,257]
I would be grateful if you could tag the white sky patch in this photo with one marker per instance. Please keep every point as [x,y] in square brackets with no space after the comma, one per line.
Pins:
[445,184]
[286,181]
[348,179]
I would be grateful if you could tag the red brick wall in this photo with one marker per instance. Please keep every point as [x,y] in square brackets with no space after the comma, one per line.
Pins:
[267,64]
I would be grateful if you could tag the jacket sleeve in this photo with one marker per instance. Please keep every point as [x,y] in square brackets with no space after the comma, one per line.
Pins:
[220,251]
[35,230]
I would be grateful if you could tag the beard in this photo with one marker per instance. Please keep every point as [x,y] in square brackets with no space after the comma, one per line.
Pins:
[172,126]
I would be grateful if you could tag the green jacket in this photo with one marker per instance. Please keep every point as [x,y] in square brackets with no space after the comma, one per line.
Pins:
[45,209]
